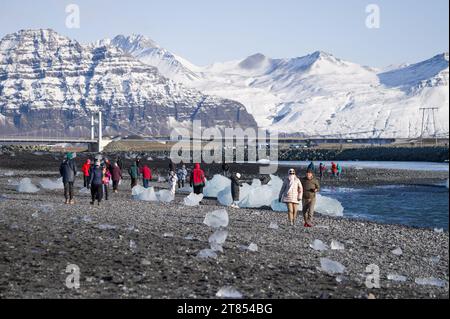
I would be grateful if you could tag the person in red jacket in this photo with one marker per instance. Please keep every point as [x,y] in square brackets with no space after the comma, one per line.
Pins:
[85,169]
[146,175]
[197,180]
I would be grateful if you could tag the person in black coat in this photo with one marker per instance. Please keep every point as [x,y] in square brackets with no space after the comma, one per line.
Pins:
[96,182]
[68,171]
[235,189]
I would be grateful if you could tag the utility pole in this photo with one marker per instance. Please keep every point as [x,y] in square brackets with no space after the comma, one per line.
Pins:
[92,127]
[426,112]
[100,133]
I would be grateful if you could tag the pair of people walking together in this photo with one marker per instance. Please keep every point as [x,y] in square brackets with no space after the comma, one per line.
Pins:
[295,191]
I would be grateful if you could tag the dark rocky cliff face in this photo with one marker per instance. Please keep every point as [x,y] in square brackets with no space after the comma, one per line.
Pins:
[47,81]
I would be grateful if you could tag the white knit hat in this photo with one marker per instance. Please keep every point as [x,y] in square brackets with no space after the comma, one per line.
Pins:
[238,175]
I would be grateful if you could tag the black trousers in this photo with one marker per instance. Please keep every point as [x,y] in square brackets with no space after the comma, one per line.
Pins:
[86,181]
[133,182]
[180,183]
[105,191]
[97,192]
[115,185]
[68,190]
[198,190]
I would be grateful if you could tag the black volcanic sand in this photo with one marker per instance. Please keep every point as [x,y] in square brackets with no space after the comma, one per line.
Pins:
[40,236]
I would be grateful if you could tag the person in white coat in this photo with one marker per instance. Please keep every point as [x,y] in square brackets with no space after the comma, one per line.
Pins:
[291,193]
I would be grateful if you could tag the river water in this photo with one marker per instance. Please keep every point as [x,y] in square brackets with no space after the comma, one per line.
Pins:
[418,206]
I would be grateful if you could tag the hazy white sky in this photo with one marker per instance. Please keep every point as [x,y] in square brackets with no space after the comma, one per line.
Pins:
[206,31]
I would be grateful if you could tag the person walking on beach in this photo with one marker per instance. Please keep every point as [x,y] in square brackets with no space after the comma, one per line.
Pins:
[68,171]
[225,169]
[146,175]
[311,187]
[119,162]
[338,170]
[198,179]
[85,169]
[173,179]
[96,182]
[105,180]
[322,169]
[311,167]
[182,175]
[171,166]
[134,173]
[235,189]
[291,193]
[116,175]
[333,169]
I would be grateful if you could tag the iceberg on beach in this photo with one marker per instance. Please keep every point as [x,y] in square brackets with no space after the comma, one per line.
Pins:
[395,277]
[397,251]
[318,245]
[216,219]
[84,190]
[26,186]
[431,282]
[217,184]
[228,292]
[328,206]
[144,194]
[193,199]
[331,267]
[52,185]
[335,245]
[207,253]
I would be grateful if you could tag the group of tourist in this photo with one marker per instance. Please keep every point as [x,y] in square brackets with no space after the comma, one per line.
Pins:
[99,172]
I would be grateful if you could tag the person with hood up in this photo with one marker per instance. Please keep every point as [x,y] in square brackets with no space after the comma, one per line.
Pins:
[96,182]
[116,175]
[322,169]
[198,179]
[68,171]
[134,173]
[173,182]
[291,193]
[334,169]
[235,189]
[182,175]
[146,175]
[85,169]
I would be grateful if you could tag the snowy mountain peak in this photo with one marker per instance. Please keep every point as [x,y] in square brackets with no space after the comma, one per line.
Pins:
[134,42]
[255,61]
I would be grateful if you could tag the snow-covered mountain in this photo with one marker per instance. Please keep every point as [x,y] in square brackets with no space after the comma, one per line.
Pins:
[48,80]
[317,94]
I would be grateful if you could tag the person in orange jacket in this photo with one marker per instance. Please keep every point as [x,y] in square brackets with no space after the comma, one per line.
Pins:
[86,169]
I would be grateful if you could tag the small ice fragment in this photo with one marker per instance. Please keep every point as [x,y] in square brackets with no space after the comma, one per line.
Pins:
[228,292]
[26,186]
[395,277]
[86,219]
[193,199]
[145,262]
[35,215]
[8,173]
[216,247]
[397,251]
[51,185]
[46,208]
[318,245]
[435,259]
[252,247]
[106,227]
[216,219]
[133,244]
[218,237]
[331,267]
[439,230]
[168,235]
[335,245]
[430,282]
[189,237]
[273,225]
[207,253]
